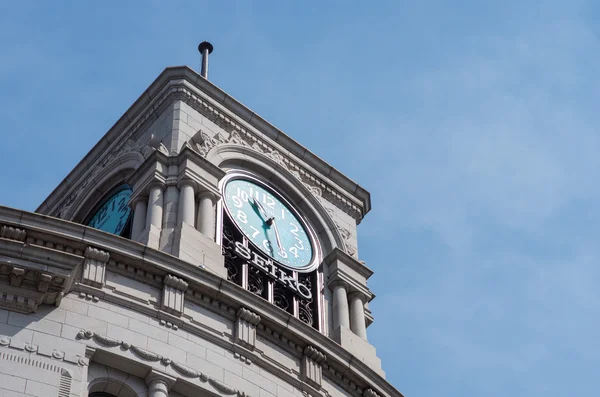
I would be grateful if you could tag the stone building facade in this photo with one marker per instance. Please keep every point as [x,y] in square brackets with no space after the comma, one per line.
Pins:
[134,278]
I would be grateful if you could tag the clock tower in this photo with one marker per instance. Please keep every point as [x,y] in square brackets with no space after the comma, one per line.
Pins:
[195,250]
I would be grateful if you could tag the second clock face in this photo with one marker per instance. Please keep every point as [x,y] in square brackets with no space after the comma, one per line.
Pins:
[113,215]
[265,219]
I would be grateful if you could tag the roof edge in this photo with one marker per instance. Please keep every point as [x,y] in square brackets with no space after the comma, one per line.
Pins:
[236,107]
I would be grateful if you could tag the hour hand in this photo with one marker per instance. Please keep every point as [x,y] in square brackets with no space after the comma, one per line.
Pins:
[258,205]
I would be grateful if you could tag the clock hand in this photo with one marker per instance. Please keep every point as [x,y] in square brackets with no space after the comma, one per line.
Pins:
[258,205]
[272,221]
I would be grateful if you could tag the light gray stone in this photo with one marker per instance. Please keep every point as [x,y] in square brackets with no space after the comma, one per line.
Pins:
[11,382]
[259,380]
[84,322]
[224,362]
[108,316]
[40,389]
[186,345]
[240,383]
[35,324]
[148,330]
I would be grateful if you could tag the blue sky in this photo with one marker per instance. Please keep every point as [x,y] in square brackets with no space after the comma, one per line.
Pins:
[473,124]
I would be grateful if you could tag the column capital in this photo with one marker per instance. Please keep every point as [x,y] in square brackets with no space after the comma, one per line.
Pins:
[155,184]
[349,270]
[358,295]
[157,377]
[139,198]
[207,194]
[337,282]
[187,182]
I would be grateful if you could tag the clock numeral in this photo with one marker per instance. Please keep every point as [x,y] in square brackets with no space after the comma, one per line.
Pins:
[270,202]
[301,247]
[237,202]
[283,254]
[242,194]
[256,232]
[294,230]
[294,251]
[241,216]
[282,213]
[267,245]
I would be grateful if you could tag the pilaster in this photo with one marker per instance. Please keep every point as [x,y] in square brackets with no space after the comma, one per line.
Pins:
[94,267]
[173,295]
[245,328]
[312,366]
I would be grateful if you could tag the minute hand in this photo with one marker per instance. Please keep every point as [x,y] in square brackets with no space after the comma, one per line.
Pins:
[277,234]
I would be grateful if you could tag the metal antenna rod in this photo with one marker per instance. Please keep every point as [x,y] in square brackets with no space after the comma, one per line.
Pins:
[205,48]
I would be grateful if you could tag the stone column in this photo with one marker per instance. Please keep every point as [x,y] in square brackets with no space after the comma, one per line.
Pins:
[341,315]
[357,315]
[206,215]
[159,383]
[186,203]
[155,205]
[140,208]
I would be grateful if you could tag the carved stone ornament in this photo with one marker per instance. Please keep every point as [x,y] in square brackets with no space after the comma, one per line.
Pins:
[237,135]
[312,366]
[16,276]
[345,233]
[46,351]
[94,267]
[149,356]
[370,393]
[173,295]
[65,208]
[12,233]
[245,328]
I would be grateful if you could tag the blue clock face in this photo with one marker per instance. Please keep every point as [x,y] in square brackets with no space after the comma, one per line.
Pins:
[268,223]
[113,215]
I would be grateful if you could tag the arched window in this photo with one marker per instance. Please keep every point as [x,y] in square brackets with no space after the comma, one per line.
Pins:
[112,214]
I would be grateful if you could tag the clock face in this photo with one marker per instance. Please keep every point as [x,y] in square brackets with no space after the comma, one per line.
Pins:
[113,215]
[269,223]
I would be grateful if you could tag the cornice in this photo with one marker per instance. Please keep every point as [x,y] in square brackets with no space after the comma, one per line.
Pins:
[223,295]
[181,83]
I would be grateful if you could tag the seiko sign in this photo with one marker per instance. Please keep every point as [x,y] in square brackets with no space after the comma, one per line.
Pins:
[270,269]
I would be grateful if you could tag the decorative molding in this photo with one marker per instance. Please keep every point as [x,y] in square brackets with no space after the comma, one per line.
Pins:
[64,386]
[242,358]
[26,288]
[168,324]
[158,382]
[46,351]
[93,298]
[175,282]
[146,355]
[317,187]
[173,295]
[345,233]
[312,363]
[16,276]
[245,328]
[342,379]
[130,142]
[370,393]
[94,267]
[12,233]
